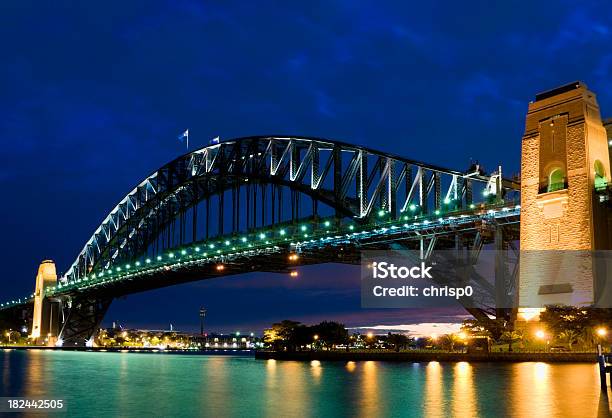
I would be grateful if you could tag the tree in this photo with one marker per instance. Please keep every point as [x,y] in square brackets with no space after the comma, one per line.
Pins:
[569,337]
[449,341]
[559,318]
[510,337]
[331,333]
[587,338]
[398,341]
[282,335]
[493,328]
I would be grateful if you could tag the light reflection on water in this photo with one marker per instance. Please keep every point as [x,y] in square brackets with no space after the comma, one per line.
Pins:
[98,384]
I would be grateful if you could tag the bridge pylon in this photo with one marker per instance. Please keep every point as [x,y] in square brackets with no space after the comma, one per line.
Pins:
[565,159]
[45,319]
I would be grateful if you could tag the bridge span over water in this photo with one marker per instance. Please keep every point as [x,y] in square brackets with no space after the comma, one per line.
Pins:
[271,204]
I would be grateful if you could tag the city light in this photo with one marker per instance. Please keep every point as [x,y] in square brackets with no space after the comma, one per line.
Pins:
[370,335]
[293,273]
[293,257]
[315,337]
[602,332]
[540,334]
[220,267]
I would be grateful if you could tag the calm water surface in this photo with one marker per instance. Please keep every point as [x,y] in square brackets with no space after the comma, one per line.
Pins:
[131,384]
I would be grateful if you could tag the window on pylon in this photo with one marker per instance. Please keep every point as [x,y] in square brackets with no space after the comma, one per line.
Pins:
[556,180]
[600,175]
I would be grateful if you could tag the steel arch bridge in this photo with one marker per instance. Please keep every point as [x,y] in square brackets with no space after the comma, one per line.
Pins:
[271,203]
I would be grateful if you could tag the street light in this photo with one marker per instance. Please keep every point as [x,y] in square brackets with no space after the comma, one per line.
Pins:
[602,332]
[540,334]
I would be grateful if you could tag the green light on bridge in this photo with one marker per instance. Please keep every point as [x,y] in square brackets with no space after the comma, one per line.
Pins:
[262,236]
[381,213]
[148,261]
[282,232]
[303,228]
[227,243]
[243,239]
[171,255]
[351,227]
[327,223]
[159,258]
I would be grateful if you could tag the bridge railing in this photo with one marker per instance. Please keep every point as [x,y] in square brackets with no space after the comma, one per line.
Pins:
[307,232]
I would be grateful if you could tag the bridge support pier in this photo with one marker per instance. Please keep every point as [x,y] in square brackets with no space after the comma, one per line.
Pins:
[45,319]
[82,319]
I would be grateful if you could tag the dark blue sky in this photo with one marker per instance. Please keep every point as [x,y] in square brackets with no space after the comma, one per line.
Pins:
[93,96]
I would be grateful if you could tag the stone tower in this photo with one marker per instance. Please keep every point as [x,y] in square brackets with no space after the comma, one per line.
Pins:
[565,157]
[43,309]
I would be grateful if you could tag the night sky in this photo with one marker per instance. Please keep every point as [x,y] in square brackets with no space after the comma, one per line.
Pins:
[93,96]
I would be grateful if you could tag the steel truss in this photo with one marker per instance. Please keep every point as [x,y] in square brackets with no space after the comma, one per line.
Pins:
[252,173]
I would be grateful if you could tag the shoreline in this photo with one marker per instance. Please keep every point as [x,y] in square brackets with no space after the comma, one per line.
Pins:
[415,356]
[145,350]
[390,356]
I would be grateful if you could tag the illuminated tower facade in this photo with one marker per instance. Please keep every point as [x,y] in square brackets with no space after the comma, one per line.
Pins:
[43,308]
[565,158]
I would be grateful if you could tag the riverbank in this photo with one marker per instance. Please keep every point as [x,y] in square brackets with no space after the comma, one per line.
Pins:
[152,350]
[420,356]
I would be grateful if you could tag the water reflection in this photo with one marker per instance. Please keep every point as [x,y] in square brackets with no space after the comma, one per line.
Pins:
[315,367]
[35,386]
[145,384]
[433,404]
[370,406]
[544,390]
[464,392]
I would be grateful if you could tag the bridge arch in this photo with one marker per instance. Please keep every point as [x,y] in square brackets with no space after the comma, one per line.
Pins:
[355,183]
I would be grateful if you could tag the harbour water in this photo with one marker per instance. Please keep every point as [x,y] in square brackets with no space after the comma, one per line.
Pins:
[135,384]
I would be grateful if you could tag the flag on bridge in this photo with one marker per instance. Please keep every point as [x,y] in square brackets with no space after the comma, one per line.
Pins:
[214,140]
[184,137]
